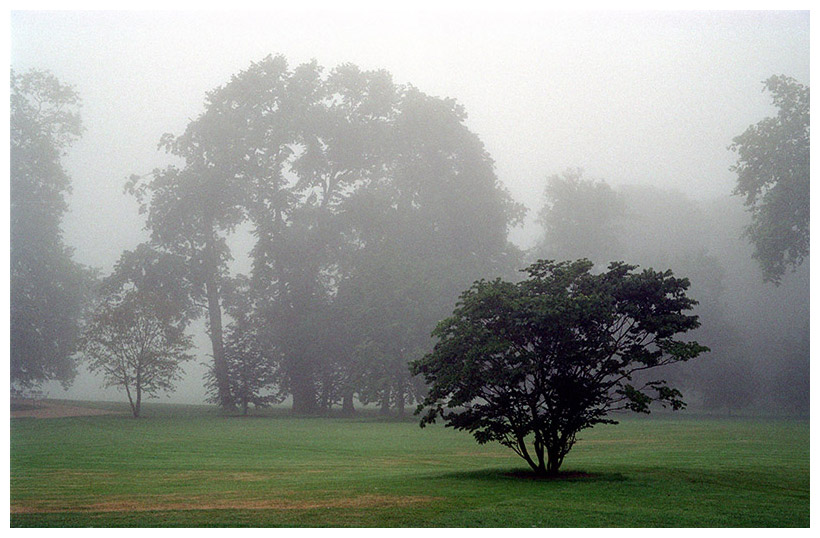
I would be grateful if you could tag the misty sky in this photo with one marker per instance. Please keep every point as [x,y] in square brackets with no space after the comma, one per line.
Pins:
[631,97]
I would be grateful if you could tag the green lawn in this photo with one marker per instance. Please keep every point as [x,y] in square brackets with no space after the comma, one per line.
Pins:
[188,466]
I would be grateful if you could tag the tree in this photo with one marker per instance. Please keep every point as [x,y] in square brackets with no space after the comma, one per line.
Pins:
[349,155]
[338,133]
[554,354]
[293,153]
[252,363]
[192,210]
[700,241]
[580,218]
[773,177]
[48,289]
[436,222]
[389,304]
[136,334]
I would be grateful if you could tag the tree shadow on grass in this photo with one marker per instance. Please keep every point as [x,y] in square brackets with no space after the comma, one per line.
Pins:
[520,473]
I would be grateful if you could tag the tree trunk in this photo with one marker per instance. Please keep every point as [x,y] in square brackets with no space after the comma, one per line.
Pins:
[304,402]
[400,403]
[347,403]
[303,390]
[300,365]
[245,408]
[385,409]
[138,389]
[134,410]
[326,402]
[215,321]
[524,453]
[539,453]
[139,399]
[554,461]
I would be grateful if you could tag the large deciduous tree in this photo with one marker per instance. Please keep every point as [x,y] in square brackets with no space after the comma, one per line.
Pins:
[332,170]
[337,149]
[544,358]
[136,335]
[773,177]
[359,167]
[436,222]
[47,287]
[191,210]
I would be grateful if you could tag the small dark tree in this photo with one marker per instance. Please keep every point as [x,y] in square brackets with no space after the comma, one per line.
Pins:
[544,358]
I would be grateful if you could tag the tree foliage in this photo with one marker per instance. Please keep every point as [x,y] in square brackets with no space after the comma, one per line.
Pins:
[544,358]
[331,170]
[135,335]
[338,149]
[436,220]
[191,210]
[253,364]
[746,366]
[48,288]
[773,177]
[327,167]
[580,218]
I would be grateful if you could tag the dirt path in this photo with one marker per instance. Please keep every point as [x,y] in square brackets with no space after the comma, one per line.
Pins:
[46,409]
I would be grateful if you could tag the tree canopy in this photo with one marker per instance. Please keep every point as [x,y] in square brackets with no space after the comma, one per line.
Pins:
[558,352]
[580,218]
[135,335]
[773,177]
[48,288]
[331,170]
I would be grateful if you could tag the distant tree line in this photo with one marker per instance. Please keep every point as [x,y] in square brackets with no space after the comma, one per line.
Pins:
[758,335]
[372,207]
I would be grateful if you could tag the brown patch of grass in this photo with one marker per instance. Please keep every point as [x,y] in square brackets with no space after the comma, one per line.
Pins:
[483,454]
[209,503]
[391,462]
[238,476]
[61,474]
[47,409]
[398,462]
[248,477]
[614,441]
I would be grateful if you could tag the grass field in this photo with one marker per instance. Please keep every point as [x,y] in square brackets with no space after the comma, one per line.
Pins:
[188,466]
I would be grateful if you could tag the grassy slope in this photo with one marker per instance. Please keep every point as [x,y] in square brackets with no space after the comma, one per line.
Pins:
[273,471]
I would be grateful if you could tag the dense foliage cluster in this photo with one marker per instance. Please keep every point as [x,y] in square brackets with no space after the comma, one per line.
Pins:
[741,316]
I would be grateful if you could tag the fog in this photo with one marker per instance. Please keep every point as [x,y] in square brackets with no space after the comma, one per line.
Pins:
[647,102]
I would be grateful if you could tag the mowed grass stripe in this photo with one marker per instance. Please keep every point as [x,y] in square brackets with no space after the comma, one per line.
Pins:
[202,469]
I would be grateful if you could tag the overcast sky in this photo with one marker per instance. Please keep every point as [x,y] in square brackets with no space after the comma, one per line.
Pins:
[630,97]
